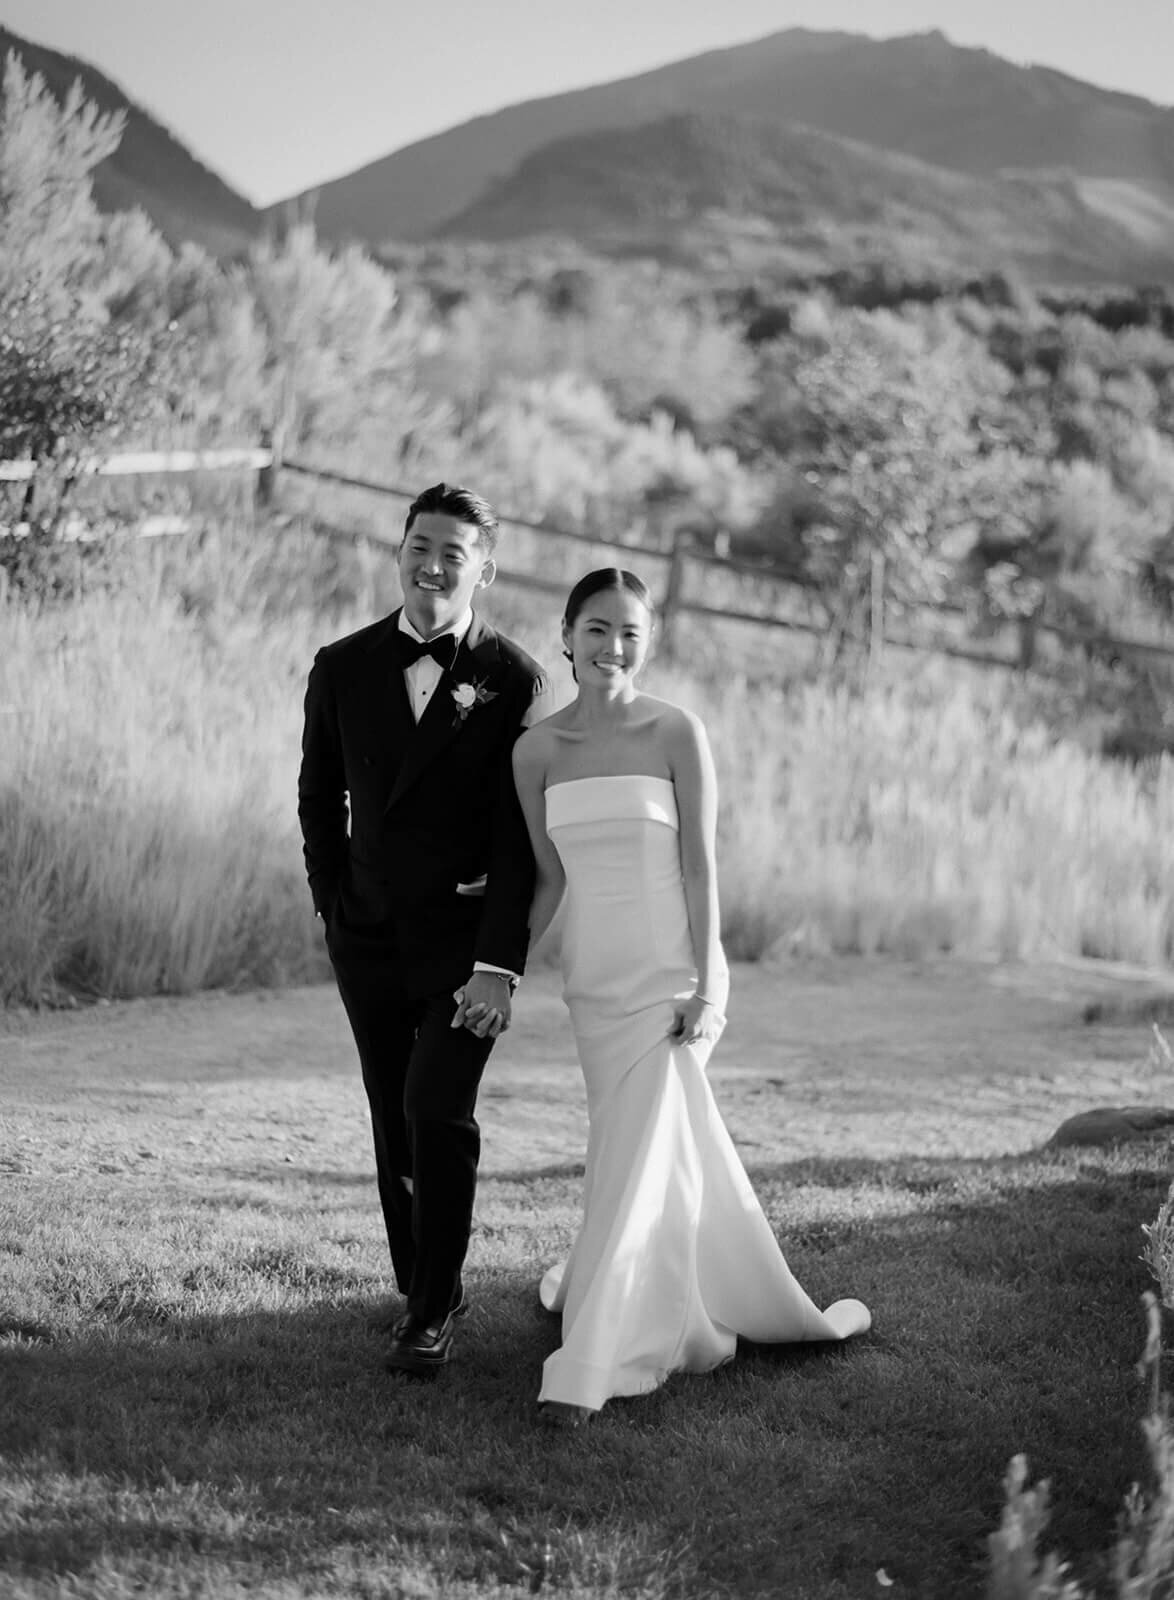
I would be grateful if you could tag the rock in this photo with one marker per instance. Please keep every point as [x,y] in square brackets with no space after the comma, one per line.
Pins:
[1114,1125]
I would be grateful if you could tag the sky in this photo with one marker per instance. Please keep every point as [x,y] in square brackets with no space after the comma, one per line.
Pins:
[279,95]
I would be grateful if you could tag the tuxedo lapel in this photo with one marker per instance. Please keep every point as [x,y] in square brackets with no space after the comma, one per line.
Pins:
[390,700]
[441,724]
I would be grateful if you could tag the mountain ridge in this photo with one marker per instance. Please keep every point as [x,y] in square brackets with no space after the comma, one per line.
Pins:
[958,107]
[677,185]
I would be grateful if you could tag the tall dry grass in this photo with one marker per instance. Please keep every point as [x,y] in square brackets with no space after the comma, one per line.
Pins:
[919,816]
[147,780]
[149,737]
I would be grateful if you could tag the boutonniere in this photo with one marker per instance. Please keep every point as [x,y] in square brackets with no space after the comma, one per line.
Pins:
[467,696]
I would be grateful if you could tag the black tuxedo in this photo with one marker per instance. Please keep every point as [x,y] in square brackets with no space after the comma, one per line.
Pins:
[395,816]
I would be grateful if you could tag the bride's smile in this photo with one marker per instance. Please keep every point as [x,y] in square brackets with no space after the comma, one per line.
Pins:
[608,642]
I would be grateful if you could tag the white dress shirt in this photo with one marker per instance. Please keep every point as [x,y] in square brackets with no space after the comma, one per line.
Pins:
[421,678]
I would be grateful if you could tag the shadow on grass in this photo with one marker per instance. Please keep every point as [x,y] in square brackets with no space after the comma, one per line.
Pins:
[1153,1005]
[1006,1318]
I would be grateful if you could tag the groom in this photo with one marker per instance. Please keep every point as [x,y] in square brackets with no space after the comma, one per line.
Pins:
[421,869]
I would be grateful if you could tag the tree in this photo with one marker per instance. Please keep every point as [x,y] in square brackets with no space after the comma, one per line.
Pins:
[876,425]
[50,229]
[62,382]
[1072,498]
[334,343]
[69,373]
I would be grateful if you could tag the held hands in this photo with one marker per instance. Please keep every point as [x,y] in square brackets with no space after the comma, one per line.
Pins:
[483,1005]
[696,1021]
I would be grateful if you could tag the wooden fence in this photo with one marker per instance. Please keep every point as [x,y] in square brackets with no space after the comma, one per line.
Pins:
[681,556]
[676,560]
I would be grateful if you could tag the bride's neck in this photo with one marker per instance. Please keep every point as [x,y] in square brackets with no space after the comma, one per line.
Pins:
[595,710]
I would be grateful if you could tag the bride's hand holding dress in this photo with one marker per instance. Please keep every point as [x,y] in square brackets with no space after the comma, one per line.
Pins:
[696,1020]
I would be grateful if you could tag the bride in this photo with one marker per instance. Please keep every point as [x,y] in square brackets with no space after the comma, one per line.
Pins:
[674,1258]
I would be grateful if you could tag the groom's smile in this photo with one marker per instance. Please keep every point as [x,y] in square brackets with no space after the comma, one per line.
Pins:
[442,563]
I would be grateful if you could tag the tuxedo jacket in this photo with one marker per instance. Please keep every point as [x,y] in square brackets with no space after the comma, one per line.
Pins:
[400,818]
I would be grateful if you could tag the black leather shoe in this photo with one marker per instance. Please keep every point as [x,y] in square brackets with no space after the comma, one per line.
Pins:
[396,1325]
[387,1319]
[421,1348]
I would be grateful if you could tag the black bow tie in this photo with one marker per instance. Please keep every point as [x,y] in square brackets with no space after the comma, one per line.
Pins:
[443,650]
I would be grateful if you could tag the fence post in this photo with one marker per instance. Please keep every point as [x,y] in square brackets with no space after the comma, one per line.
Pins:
[876,611]
[271,439]
[673,589]
[26,504]
[1027,636]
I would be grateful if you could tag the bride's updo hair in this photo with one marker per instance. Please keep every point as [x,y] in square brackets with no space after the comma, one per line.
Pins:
[616,579]
[594,583]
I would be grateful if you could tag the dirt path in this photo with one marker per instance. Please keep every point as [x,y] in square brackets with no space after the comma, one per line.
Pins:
[818,1060]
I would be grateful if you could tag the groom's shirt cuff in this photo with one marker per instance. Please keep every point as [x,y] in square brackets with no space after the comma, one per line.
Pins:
[504,972]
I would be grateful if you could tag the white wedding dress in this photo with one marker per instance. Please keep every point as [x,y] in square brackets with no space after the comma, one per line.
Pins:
[674,1258]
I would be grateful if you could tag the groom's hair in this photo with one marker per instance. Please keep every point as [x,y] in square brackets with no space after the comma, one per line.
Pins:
[463,506]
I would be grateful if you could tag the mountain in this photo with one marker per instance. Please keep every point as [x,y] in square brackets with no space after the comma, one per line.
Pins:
[706,187]
[958,108]
[150,168]
[825,145]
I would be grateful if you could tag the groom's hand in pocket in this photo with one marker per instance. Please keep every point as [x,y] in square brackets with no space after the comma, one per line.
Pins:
[483,1005]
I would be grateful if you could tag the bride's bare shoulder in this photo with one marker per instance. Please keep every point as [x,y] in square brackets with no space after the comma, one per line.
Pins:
[537,744]
[664,718]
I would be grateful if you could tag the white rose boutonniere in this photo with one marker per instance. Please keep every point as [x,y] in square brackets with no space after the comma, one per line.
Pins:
[467,696]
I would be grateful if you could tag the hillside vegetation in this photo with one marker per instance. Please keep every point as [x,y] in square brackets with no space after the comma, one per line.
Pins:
[884,444]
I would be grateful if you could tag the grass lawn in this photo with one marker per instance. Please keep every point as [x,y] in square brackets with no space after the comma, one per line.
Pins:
[193,1402]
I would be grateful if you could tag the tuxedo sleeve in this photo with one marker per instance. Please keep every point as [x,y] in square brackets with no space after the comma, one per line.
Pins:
[322,807]
[504,934]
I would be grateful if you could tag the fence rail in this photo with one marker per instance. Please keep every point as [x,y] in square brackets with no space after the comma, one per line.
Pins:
[680,555]
[142,463]
[267,463]
[397,492]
